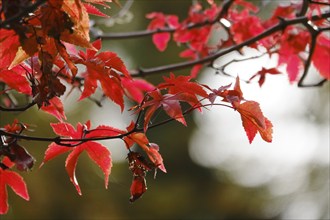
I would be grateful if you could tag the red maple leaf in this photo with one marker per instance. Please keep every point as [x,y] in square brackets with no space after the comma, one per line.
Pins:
[9,43]
[139,167]
[183,87]
[55,108]
[151,149]
[14,181]
[97,152]
[242,29]
[135,88]
[169,103]
[321,56]
[262,74]
[160,21]
[91,9]
[233,96]
[254,121]
[105,67]
[293,42]
[16,79]
[16,153]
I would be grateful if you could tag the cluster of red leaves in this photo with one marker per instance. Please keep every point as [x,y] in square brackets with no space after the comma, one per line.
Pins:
[13,154]
[38,58]
[252,117]
[196,30]
[14,181]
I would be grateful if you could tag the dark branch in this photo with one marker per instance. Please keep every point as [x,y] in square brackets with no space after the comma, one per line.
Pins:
[19,16]
[67,142]
[136,34]
[304,8]
[279,27]
[319,3]
[18,109]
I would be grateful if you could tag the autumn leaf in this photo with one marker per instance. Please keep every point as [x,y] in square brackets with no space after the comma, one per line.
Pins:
[135,88]
[242,29]
[321,56]
[233,96]
[91,9]
[262,74]
[293,42]
[55,108]
[139,167]
[168,102]
[17,154]
[254,121]
[16,79]
[104,67]
[96,152]
[14,181]
[9,43]
[183,85]
[21,157]
[151,149]
[160,21]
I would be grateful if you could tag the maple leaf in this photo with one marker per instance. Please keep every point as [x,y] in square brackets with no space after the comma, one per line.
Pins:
[94,11]
[19,155]
[9,43]
[182,85]
[97,152]
[160,21]
[293,42]
[139,167]
[135,88]
[170,104]
[242,29]
[233,96]
[106,68]
[16,153]
[321,56]
[184,89]
[262,74]
[151,149]
[161,40]
[55,108]
[254,121]
[16,79]
[14,181]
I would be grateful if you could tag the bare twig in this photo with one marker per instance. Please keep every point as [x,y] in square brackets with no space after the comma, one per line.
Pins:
[18,109]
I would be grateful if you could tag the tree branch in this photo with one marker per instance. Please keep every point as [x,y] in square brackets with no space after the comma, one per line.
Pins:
[280,26]
[67,142]
[314,34]
[135,34]
[304,8]
[18,109]
[19,16]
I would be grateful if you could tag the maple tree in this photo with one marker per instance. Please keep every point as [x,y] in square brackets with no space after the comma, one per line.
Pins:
[42,43]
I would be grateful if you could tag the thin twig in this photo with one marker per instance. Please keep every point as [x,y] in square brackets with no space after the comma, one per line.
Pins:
[136,34]
[279,27]
[20,15]
[319,3]
[18,109]
[66,142]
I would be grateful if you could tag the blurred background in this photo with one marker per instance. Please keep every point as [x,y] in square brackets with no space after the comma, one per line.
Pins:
[213,172]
